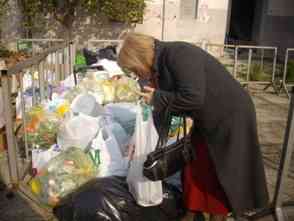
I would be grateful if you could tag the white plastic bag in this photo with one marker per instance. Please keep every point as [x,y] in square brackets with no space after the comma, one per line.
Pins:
[77,131]
[87,104]
[110,159]
[146,192]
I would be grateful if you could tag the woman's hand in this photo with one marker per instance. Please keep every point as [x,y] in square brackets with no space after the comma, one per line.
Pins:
[147,94]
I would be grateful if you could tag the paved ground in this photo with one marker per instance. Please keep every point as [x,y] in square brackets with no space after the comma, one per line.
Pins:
[272,114]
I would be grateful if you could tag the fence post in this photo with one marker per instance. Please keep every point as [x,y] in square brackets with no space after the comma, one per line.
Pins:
[9,125]
[284,83]
[287,151]
[249,65]
[236,63]
[41,80]
[23,111]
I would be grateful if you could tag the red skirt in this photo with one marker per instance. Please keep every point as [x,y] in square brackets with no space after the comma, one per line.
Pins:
[202,190]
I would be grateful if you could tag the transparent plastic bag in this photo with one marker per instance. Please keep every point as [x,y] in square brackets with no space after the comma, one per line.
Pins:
[41,127]
[124,114]
[126,90]
[63,175]
[146,192]
[123,89]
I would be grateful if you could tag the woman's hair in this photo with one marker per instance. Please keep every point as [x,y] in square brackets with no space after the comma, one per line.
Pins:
[136,53]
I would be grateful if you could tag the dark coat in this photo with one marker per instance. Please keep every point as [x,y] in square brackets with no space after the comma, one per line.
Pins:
[223,113]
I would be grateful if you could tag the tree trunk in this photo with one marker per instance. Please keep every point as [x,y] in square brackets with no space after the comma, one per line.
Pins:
[12,24]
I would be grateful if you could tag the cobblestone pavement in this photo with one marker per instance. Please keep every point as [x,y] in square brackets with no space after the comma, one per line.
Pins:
[272,113]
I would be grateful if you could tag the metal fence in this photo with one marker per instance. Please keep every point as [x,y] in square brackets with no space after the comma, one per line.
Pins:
[287,81]
[249,78]
[225,53]
[48,69]
[250,65]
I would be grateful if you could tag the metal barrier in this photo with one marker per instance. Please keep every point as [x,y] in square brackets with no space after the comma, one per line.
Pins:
[224,53]
[47,67]
[36,45]
[285,82]
[247,80]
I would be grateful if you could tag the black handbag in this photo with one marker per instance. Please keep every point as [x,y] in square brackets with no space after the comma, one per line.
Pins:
[167,160]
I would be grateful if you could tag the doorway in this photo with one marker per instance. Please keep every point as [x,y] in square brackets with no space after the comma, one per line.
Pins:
[240,27]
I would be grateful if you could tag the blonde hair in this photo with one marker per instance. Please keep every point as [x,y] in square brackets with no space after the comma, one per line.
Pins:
[136,53]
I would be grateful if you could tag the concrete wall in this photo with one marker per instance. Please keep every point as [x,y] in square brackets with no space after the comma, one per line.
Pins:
[210,24]
[84,28]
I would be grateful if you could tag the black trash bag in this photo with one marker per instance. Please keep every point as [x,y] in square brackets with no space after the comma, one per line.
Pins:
[108,199]
[108,52]
[90,56]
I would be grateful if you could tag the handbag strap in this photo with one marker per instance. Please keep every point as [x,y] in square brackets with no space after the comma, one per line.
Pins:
[164,129]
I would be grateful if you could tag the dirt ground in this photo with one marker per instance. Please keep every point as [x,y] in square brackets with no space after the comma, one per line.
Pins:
[272,111]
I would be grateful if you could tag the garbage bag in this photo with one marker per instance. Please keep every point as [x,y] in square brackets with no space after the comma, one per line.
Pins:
[124,114]
[146,192]
[77,131]
[108,199]
[41,127]
[90,56]
[119,133]
[111,161]
[111,67]
[109,52]
[123,89]
[62,175]
[86,104]
[41,157]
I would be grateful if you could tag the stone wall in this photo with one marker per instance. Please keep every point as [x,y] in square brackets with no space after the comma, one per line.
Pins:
[209,25]
[85,27]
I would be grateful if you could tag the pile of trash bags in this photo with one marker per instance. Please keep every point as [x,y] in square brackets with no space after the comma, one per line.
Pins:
[89,142]
[108,199]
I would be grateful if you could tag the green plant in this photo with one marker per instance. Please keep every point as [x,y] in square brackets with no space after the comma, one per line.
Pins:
[66,11]
[129,11]
[258,74]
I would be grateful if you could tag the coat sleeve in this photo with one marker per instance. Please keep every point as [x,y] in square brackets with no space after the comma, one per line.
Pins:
[186,66]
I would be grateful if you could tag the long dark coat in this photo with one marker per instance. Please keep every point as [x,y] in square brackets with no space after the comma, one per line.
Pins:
[222,111]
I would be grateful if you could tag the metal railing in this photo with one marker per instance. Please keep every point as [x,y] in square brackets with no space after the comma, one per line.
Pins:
[38,44]
[248,79]
[224,53]
[48,69]
[285,82]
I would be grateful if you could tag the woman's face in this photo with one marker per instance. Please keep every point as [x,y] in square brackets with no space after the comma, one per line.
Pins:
[143,73]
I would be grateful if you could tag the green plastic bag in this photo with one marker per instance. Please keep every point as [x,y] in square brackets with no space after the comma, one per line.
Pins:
[80,63]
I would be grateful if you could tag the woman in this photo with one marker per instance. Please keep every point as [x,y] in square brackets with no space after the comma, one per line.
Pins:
[228,174]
